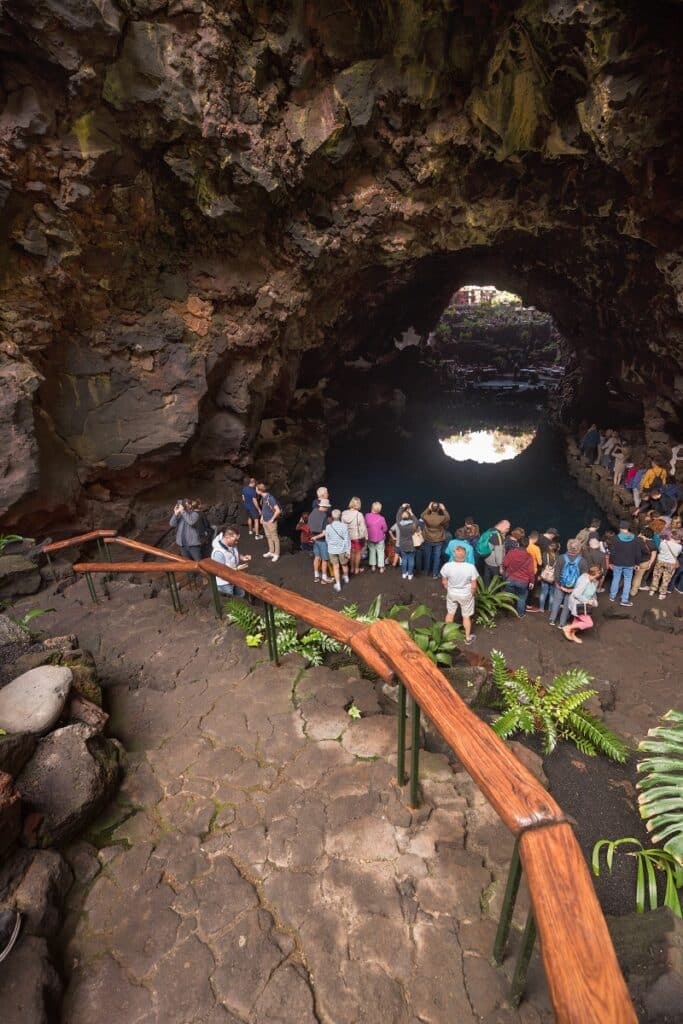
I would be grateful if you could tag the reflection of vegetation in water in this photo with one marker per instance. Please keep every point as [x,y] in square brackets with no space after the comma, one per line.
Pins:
[487,445]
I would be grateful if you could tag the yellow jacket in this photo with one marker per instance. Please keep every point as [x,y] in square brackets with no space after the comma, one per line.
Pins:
[655,475]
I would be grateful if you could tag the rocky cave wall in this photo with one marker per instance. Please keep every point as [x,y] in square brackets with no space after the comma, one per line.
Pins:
[206,205]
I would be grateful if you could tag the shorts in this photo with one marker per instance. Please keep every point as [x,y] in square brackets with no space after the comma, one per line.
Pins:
[341,559]
[320,550]
[463,599]
[357,545]
[252,512]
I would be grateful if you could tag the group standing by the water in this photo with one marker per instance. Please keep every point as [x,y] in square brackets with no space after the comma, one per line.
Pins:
[565,583]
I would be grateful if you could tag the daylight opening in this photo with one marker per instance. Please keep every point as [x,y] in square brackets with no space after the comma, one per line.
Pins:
[486,445]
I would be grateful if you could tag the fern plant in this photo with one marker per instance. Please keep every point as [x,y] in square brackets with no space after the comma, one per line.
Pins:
[555,711]
[491,600]
[311,645]
[661,784]
[649,862]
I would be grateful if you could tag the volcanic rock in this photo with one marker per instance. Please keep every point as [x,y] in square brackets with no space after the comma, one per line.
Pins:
[34,701]
[69,778]
[18,576]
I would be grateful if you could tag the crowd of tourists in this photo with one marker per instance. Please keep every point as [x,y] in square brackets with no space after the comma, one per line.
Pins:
[653,487]
[545,576]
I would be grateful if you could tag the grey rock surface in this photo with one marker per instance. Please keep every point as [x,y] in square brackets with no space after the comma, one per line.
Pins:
[18,576]
[30,989]
[40,894]
[34,700]
[68,780]
[15,751]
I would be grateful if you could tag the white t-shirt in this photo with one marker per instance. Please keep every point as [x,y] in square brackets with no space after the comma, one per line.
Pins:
[459,576]
[669,550]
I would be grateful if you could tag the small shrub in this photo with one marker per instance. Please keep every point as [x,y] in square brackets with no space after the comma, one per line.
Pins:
[437,640]
[491,600]
[555,711]
[9,538]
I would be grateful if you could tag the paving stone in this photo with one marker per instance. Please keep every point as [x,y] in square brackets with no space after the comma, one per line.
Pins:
[296,896]
[222,895]
[187,813]
[366,839]
[181,984]
[371,737]
[82,859]
[324,723]
[286,998]
[437,990]
[487,986]
[385,942]
[247,956]
[105,984]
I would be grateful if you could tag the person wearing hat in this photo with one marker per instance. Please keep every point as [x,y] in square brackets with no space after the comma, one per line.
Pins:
[625,555]
[548,537]
[317,521]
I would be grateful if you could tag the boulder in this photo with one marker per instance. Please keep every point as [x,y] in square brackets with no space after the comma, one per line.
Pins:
[72,774]
[13,640]
[18,576]
[10,812]
[40,894]
[30,992]
[34,701]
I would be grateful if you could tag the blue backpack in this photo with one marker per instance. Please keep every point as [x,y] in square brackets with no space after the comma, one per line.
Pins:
[570,571]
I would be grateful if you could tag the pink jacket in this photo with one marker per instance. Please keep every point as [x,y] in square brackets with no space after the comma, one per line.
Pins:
[377,526]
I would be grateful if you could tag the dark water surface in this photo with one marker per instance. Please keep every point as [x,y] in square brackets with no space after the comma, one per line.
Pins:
[533,490]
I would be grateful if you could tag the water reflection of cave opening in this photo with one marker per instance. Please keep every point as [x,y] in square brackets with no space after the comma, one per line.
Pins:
[486,446]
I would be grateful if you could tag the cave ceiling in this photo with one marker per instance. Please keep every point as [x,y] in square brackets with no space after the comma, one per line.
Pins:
[197,194]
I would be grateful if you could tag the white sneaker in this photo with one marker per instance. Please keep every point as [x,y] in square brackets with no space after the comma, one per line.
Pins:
[346,579]
[409,577]
[404,576]
[267,554]
[275,557]
[337,587]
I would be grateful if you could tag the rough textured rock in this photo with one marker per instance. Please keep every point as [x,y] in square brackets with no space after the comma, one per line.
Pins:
[13,640]
[10,812]
[207,207]
[18,576]
[34,701]
[15,751]
[40,894]
[30,991]
[68,780]
[650,951]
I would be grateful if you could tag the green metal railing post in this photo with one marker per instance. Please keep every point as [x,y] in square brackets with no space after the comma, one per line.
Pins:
[508,908]
[401,746]
[521,969]
[271,631]
[216,596]
[175,595]
[415,754]
[100,550]
[52,568]
[91,586]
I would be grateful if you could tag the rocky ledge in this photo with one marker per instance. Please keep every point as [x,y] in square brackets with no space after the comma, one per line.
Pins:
[57,771]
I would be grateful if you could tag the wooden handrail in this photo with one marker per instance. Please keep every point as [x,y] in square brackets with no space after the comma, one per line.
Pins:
[137,567]
[59,545]
[585,983]
[508,786]
[137,545]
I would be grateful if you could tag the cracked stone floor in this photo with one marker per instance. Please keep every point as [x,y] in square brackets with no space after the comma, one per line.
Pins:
[260,864]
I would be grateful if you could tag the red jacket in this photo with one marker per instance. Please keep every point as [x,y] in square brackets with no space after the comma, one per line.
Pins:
[518,565]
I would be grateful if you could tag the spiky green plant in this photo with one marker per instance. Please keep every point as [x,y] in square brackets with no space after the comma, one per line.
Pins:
[555,711]
[9,538]
[34,613]
[311,645]
[649,862]
[661,784]
[492,599]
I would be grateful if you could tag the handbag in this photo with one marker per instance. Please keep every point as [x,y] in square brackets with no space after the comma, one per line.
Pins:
[418,539]
[548,573]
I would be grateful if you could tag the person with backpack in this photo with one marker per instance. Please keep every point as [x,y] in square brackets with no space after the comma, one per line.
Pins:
[625,555]
[406,527]
[491,549]
[224,550]
[587,533]
[204,528]
[251,507]
[568,568]
[582,597]
[547,575]
[655,475]
[187,537]
[648,557]
[519,572]
[317,521]
[436,520]
[667,563]
[270,513]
